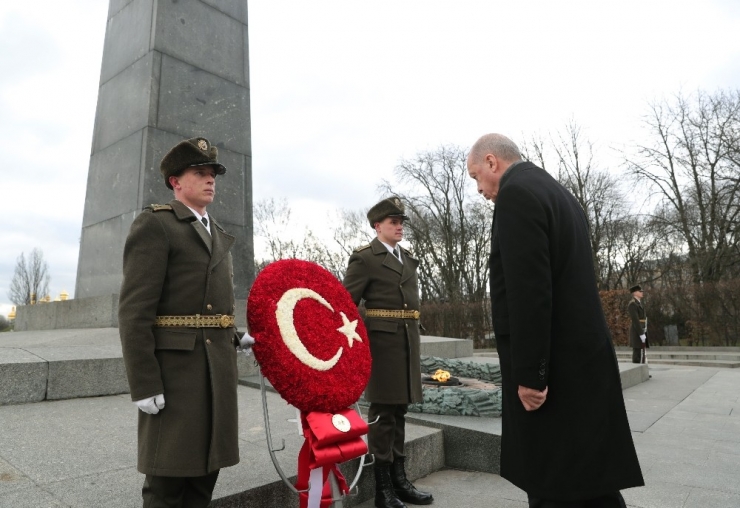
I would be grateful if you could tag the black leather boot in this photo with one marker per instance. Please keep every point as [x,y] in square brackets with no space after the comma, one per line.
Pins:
[385,497]
[405,490]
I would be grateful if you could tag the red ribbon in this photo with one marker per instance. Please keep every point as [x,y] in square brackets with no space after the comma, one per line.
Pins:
[326,446]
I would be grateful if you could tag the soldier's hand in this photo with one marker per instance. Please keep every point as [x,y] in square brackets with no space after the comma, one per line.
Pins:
[246,341]
[532,399]
[152,405]
[642,337]
[245,344]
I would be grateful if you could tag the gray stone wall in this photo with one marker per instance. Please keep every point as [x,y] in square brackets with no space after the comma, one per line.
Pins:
[170,71]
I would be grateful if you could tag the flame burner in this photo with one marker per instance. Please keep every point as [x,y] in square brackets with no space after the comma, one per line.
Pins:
[459,396]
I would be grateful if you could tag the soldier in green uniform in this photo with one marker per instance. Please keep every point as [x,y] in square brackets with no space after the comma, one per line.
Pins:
[638,326]
[383,274]
[176,321]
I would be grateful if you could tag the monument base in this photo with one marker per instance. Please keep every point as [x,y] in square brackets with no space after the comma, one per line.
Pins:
[81,313]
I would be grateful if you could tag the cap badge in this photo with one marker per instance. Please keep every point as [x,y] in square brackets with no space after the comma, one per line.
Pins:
[202,144]
[397,202]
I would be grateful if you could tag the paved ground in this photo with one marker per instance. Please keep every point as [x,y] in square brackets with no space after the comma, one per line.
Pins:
[686,427]
[80,452]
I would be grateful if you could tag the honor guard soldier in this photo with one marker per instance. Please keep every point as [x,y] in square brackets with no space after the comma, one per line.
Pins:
[638,326]
[383,274]
[176,319]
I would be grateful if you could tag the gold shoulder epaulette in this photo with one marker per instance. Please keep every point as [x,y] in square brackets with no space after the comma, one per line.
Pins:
[159,208]
[358,249]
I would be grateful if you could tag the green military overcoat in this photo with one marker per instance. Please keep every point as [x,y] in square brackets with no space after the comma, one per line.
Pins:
[637,312]
[173,267]
[376,276]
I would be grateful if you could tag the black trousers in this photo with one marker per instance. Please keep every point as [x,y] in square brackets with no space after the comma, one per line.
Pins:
[178,492]
[636,355]
[614,500]
[386,437]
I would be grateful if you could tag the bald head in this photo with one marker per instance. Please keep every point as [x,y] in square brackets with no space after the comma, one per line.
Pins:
[496,144]
[488,160]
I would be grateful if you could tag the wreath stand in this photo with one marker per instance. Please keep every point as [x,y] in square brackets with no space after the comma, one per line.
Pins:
[337,496]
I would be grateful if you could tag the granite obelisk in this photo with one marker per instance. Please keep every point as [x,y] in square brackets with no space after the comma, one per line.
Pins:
[172,69]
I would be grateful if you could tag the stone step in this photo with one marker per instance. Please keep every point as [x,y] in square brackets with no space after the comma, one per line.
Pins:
[690,363]
[707,358]
[87,362]
[713,349]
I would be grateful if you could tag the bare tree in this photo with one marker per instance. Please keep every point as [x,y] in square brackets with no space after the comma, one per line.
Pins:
[282,240]
[449,226]
[352,230]
[573,156]
[30,279]
[692,163]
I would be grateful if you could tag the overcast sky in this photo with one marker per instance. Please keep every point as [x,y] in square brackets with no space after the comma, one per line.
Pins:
[341,91]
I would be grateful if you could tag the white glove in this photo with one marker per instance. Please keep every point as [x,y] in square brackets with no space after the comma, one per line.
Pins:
[246,341]
[642,337]
[152,405]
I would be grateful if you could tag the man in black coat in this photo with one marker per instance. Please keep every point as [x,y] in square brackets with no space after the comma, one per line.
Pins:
[566,440]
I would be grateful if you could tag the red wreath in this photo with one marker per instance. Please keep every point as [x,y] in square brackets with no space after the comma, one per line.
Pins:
[325,322]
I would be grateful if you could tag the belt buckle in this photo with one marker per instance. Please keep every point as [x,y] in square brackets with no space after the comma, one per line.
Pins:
[416,314]
[223,320]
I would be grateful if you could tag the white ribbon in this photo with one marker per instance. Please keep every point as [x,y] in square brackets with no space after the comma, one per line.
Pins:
[316,482]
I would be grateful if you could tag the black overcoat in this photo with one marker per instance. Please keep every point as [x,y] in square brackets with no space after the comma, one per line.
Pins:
[551,332]
[376,276]
[172,267]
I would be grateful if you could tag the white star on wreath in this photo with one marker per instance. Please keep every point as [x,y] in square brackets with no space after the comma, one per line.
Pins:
[349,329]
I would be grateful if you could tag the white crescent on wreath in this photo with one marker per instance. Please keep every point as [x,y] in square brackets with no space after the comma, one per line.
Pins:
[284,315]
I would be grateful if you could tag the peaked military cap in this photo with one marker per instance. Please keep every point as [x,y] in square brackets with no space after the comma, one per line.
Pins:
[389,207]
[636,287]
[188,153]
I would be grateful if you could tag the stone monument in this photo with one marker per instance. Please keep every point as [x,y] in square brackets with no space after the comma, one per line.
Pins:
[171,70]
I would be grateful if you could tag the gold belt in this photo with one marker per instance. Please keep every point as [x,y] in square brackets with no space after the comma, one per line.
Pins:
[398,314]
[196,321]
[643,320]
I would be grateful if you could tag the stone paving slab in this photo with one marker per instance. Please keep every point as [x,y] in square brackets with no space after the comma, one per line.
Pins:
[690,458]
[82,453]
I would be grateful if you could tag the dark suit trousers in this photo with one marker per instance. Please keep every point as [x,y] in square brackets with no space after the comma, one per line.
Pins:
[386,436]
[614,500]
[178,492]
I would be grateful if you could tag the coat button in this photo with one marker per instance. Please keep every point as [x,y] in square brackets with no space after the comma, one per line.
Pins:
[405,306]
[208,341]
[209,307]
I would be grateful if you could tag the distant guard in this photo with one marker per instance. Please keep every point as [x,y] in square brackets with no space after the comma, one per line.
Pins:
[638,326]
